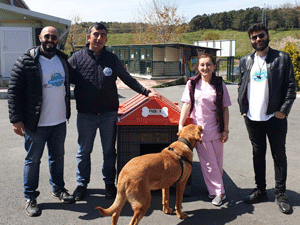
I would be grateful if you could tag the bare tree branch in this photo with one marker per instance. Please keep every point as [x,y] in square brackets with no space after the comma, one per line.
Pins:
[158,22]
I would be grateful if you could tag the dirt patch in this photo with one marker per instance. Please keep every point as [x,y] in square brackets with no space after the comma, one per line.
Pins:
[280,44]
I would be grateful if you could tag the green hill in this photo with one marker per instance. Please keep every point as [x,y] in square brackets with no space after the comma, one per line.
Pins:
[243,46]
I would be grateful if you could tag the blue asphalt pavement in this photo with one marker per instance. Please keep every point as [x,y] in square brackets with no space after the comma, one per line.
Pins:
[238,179]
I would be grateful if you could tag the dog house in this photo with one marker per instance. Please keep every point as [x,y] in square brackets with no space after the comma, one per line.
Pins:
[146,125]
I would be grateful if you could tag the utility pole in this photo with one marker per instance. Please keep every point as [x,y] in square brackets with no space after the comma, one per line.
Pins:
[264,16]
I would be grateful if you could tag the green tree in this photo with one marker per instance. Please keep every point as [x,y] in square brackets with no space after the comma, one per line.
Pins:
[199,23]
[291,17]
[216,21]
[221,21]
[275,19]
[295,57]
[195,23]
[238,20]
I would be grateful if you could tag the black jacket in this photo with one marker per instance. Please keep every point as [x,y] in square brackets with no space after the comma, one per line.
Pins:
[95,81]
[281,81]
[25,92]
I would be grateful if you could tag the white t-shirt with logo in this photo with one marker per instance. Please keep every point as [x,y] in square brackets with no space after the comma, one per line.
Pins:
[53,110]
[258,91]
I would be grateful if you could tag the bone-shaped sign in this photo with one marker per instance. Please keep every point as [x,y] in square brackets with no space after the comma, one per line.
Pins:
[159,112]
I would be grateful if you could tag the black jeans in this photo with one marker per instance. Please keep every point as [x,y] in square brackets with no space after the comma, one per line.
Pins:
[276,130]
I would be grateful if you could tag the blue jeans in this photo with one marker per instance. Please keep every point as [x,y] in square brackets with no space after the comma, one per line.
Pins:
[87,125]
[35,142]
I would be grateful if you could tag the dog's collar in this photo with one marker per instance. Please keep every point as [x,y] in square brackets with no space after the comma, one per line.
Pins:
[181,159]
[186,142]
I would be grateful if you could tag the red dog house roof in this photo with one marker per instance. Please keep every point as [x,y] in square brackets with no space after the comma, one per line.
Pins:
[142,110]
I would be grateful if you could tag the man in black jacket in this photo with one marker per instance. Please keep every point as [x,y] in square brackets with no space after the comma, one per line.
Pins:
[97,104]
[267,90]
[39,104]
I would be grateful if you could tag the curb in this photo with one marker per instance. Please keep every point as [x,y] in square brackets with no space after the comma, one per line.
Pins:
[3,94]
[175,82]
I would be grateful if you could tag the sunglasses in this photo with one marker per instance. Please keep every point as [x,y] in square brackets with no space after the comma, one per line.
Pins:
[261,36]
[48,36]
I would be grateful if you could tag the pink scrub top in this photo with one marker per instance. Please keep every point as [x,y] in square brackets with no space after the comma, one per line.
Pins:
[205,110]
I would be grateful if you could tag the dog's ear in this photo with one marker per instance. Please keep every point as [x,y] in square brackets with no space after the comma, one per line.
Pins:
[198,134]
[179,133]
[200,129]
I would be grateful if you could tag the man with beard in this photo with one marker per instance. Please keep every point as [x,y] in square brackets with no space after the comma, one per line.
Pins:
[39,104]
[267,90]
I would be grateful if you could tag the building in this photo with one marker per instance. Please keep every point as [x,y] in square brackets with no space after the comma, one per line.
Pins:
[160,61]
[19,31]
[226,54]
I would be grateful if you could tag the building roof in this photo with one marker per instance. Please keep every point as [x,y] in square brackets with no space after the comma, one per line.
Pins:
[27,12]
[162,45]
[17,3]
[142,110]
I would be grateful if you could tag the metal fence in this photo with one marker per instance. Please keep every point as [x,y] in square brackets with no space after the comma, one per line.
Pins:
[228,68]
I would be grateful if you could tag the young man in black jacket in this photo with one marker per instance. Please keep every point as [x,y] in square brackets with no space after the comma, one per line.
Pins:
[267,90]
[97,104]
[39,104]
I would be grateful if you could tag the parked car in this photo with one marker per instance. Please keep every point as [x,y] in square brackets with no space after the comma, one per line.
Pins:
[236,71]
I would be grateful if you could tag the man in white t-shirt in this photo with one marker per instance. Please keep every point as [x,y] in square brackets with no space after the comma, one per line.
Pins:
[39,105]
[267,90]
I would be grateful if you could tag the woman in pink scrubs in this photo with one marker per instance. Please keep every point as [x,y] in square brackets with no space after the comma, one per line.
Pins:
[206,100]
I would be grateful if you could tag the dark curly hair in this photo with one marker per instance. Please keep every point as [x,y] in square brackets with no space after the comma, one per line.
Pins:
[257,27]
[216,82]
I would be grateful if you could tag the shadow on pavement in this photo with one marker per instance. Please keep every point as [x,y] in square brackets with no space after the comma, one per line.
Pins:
[229,211]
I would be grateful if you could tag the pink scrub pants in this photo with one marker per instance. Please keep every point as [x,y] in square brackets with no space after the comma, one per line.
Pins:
[210,154]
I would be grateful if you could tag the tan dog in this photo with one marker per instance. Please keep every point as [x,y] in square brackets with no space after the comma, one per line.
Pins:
[156,171]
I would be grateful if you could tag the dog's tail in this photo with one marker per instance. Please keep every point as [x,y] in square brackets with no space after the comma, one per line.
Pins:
[116,206]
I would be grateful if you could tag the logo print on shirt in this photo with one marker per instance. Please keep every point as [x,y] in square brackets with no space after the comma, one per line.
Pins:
[56,80]
[107,71]
[259,76]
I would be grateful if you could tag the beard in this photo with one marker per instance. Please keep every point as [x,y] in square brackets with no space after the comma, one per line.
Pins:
[265,44]
[49,49]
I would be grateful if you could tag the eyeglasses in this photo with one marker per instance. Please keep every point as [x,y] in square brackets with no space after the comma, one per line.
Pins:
[261,36]
[48,36]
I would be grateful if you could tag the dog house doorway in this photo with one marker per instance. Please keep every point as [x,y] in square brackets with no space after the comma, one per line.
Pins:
[152,148]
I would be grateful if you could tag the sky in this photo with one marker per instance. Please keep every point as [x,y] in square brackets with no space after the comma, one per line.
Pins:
[126,10]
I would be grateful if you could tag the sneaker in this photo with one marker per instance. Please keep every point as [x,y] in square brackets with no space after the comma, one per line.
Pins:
[32,208]
[256,196]
[218,200]
[110,191]
[211,196]
[284,206]
[64,196]
[79,193]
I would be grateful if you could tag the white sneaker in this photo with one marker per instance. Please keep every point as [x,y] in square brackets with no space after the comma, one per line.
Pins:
[218,200]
